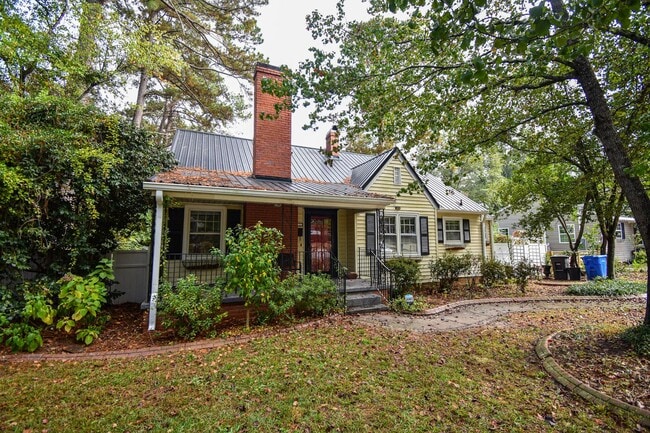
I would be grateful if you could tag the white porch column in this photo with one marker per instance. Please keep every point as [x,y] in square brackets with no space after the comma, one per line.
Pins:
[155,263]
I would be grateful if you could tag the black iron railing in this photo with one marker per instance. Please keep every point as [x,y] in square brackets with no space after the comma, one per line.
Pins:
[339,275]
[371,266]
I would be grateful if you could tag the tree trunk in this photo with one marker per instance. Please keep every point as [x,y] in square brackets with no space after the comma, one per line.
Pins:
[611,255]
[616,153]
[139,102]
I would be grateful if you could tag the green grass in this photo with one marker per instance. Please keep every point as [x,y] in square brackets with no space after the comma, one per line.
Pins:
[605,287]
[332,378]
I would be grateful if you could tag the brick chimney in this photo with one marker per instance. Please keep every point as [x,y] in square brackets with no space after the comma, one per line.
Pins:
[332,145]
[271,136]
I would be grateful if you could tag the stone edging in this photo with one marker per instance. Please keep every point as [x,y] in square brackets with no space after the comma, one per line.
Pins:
[482,301]
[577,387]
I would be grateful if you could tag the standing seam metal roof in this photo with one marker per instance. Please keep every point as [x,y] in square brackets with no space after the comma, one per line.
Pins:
[225,154]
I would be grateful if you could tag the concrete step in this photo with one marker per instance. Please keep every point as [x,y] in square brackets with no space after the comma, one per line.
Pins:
[363,300]
[363,310]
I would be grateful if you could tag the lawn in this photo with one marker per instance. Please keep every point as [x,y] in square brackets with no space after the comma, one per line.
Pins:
[334,376]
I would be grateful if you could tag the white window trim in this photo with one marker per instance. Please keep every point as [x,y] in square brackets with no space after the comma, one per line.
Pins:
[618,233]
[398,233]
[397,176]
[560,231]
[186,224]
[461,241]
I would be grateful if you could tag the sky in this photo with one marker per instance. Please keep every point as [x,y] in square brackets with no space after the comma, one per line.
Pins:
[286,42]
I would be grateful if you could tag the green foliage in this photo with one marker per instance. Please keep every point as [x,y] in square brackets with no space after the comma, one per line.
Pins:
[639,338]
[522,272]
[299,296]
[606,287]
[406,272]
[70,184]
[494,273]
[448,269]
[399,305]
[20,336]
[250,265]
[191,308]
[81,300]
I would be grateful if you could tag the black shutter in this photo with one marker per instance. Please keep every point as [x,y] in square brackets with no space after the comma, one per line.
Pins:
[424,236]
[441,232]
[233,218]
[175,224]
[466,235]
[371,233]
[622,230]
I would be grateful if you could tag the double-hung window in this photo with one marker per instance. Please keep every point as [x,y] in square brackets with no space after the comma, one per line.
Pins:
[401,235]
[204,230]
[453,231]
[570,233]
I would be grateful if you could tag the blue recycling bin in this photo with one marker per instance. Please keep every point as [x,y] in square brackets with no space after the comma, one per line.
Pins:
[595,266]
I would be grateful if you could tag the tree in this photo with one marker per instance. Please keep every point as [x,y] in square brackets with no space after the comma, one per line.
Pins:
[178,55]
[70,184]
[459,76]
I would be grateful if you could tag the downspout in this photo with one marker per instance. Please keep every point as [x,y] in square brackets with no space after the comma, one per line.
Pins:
[155,269]
[483,248]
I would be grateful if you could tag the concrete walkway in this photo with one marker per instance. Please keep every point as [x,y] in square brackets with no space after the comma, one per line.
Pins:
[468,314]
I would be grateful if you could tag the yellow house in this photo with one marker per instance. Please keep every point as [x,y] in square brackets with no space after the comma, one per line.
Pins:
[340,212]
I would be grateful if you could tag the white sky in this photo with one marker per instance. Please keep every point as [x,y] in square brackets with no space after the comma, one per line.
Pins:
[286,42]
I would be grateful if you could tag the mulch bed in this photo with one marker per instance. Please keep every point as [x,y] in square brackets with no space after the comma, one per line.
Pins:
[594,356]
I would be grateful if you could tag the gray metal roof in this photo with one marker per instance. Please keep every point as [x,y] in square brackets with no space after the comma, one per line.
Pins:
[363,173]
[218,160]
[449,198]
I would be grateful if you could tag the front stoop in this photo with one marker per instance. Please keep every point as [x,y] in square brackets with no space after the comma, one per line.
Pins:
[363,298]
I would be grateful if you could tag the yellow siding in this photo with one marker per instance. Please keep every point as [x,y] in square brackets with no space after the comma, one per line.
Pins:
[416,203]
[475,247]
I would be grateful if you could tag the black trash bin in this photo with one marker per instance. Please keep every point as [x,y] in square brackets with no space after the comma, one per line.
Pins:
[560,265]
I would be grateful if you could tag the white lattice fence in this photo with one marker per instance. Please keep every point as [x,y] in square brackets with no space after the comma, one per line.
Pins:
[516,252]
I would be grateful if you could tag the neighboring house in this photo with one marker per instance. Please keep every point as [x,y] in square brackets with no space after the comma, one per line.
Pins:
[557,239]
[342,209]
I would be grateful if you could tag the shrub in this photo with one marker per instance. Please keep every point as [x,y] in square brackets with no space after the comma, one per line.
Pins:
[311,295]
[251,263]
[191,308]
[522,272]
[400,305]
[605,287]
[81,300]
[639,338]
[21,330]
[494,273]
[406,272]
[448,268]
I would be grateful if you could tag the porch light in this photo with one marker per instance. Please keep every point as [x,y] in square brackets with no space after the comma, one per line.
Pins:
[409,299]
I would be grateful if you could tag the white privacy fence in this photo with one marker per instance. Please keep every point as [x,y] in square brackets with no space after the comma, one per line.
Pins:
[513,253]
[131,270]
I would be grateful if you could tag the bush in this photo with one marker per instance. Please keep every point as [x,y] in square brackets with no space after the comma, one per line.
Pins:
[639,338]
[522,272]
[191,308]
[400,305]
[494,273]
[81,300]
[605,287]
[406,272]
[448,268]
[311,295]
